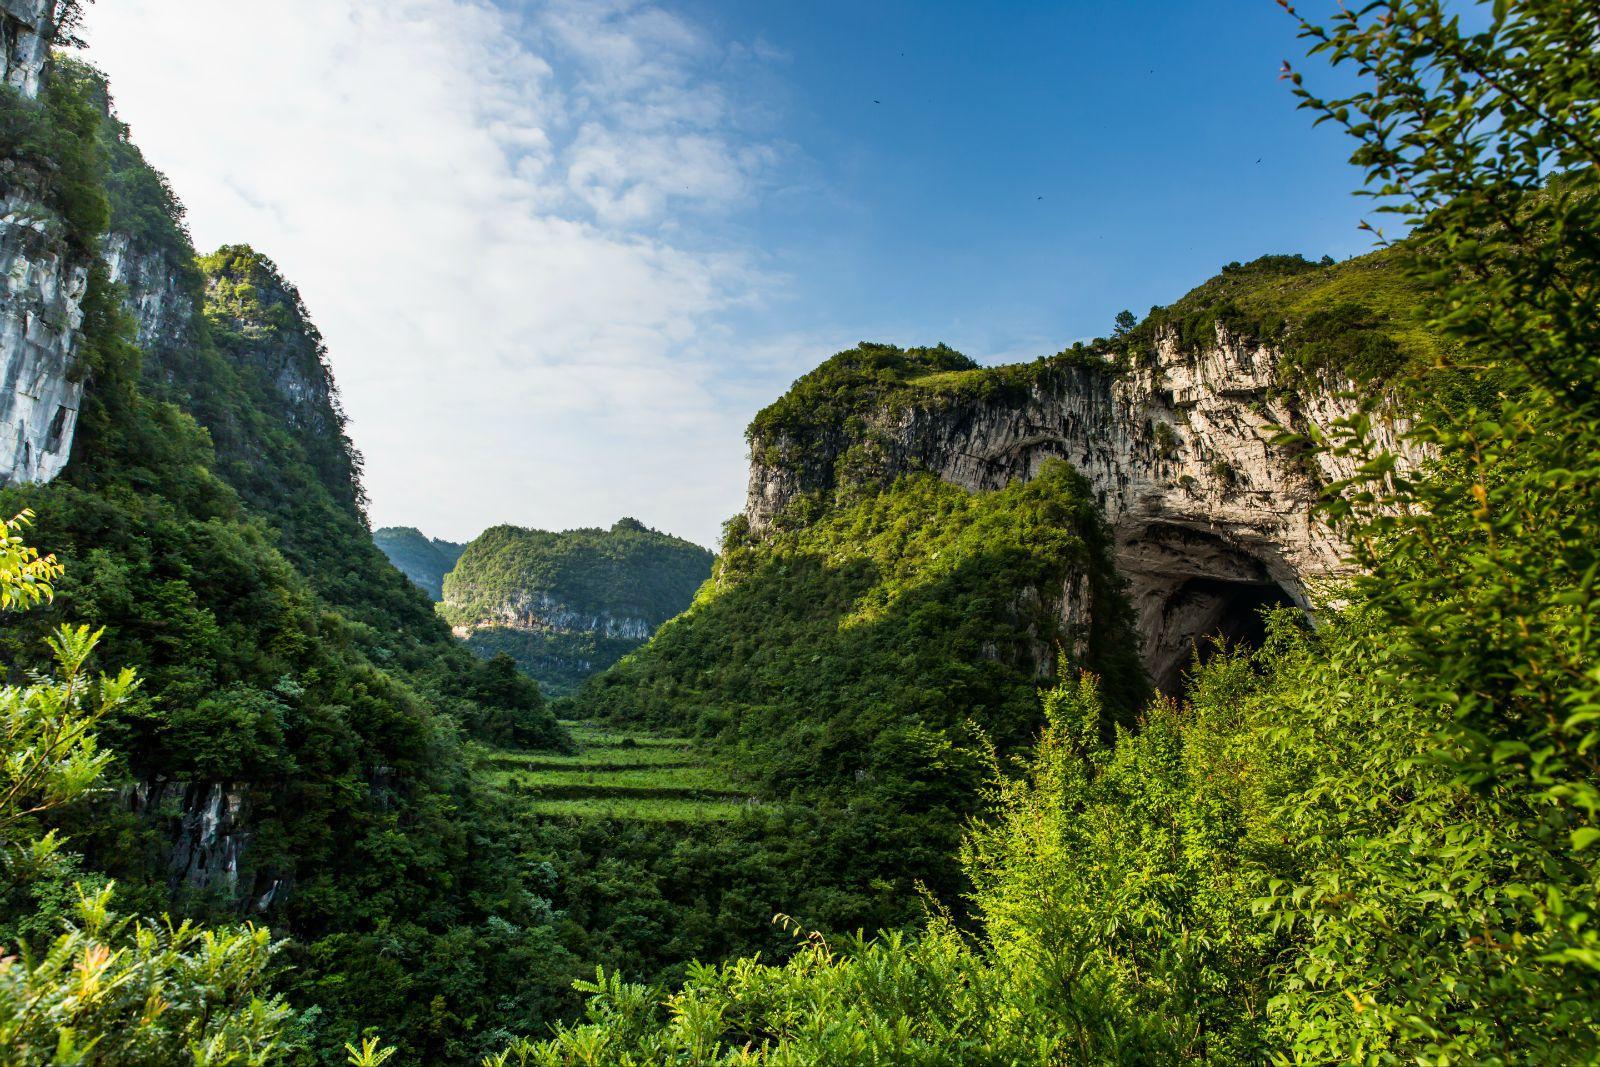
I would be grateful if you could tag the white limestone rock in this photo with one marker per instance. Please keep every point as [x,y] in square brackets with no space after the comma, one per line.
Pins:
[26,30]
[41,314]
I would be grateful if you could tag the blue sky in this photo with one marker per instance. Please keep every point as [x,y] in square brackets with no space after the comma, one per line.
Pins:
[1157,135]
[563,250]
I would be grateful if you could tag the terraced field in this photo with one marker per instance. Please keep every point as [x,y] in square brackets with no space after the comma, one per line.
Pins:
[616,774]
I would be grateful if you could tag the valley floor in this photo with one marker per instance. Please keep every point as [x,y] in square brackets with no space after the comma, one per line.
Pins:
[630,774]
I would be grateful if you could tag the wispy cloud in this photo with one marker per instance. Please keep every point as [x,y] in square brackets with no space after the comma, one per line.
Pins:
[510,225]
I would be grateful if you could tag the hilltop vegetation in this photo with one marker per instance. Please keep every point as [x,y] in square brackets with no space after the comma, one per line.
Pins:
[1363,318]
[424,560]
[567,605]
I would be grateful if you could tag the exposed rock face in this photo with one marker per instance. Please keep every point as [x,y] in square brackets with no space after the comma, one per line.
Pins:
[158,298]
[26,29]
[40,316]
[540,612]
[210,834]
[45,280]
[1211,518]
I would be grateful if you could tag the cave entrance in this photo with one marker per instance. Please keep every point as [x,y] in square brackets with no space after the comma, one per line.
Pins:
[1212,614]
[1196,592]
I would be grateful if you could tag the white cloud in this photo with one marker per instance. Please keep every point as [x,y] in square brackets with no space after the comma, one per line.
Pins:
[505,224]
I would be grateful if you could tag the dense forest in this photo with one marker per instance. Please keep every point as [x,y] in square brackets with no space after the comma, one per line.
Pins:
[565,606]
[889,783]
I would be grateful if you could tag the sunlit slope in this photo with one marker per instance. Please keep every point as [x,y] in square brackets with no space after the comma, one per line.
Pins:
[619,774]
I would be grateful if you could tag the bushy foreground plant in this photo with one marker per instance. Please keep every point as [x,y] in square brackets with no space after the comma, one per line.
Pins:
[108,989]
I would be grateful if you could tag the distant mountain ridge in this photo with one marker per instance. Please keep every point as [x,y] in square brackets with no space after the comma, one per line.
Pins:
[568,605]
[423,559]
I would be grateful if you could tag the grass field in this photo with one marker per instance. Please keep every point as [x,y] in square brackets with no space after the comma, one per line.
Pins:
[618,774]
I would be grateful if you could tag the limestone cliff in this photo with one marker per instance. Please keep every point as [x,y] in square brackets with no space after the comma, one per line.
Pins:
[26,30]
[45,281]
[45,275]
[1212,516]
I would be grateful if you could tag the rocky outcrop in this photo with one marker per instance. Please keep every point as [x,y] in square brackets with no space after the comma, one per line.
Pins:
[45,282]
[158,297]
[1212,519]
[542,613]
[45,279]
[40,316]
[26,29]
[208,824]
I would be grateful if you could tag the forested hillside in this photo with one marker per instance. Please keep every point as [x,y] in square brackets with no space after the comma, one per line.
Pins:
[565,606]
[1224,690]
[298,750]
[425,560]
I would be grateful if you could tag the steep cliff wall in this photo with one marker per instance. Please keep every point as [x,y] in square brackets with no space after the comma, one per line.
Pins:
[45,274]
[40,314]
[26,29]
[1211,517]
[159,297]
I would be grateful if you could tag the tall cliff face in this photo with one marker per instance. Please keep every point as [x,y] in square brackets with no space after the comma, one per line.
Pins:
[45,273]
[1211,517]
[26,30]
[159,297]
[41,312]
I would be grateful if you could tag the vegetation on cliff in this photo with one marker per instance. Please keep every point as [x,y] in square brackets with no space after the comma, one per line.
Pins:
[52,151]
[844,665]
[839,430]
[1363,318]
[827,415]
[566,606]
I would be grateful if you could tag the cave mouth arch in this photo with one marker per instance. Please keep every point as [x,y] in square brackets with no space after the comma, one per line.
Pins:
[1195,590]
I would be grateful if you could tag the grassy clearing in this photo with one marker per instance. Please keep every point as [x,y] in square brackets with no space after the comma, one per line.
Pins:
[689,779]
[618,774]
[588,735]
[654,809]
[602,759]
